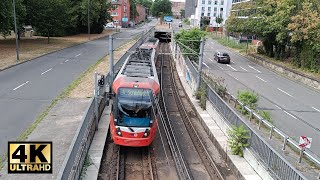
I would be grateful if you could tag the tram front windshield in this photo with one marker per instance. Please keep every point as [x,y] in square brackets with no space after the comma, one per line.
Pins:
[134,107]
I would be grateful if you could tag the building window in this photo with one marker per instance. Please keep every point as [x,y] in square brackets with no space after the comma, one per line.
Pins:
[209,8]
[220,15]
[222,2]
[202,9]
[209,2]
[208,14]
[203,1]
[215,2]
[215,8]
[202,14]
[114,14]
[214,14]
[221,9]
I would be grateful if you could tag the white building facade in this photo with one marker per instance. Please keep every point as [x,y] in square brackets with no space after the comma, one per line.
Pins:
[211,9]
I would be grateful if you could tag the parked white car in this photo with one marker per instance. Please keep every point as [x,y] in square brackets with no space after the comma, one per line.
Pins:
[109,25]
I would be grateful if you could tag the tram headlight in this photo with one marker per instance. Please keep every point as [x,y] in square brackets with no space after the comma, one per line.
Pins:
[146,133]
[119,132]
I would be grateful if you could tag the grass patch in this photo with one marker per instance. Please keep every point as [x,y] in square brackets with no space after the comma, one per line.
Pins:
[232,44]
[87,162]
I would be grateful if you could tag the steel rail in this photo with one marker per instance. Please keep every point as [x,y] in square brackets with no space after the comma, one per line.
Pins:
[180,162]
[183,112]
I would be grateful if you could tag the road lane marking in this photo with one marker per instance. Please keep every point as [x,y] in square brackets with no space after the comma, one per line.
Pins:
[78,55]
[284,92]
[66,60]
[46,71]
[210,59]
[254,69]
[235,78]
[220,67]
[244,69]
[277,106]
[232,67]
[21,85]
[290,114]
[315,109]
[205,65]
[261,79]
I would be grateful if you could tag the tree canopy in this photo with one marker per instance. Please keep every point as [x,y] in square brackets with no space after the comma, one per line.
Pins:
[55,17]
[163,6]
[189,41]
[280,24]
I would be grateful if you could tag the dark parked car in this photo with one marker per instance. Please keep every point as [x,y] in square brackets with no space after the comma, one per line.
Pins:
[222,57]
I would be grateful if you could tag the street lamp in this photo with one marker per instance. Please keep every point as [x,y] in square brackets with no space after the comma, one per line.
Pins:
[88,8]
[15,29]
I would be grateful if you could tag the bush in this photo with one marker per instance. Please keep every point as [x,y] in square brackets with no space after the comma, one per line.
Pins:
[238,139]
[186,21]
[266,115]
[260,50]
[248,98]
[201,95]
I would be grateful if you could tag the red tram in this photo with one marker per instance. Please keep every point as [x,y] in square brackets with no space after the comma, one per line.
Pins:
[133,120]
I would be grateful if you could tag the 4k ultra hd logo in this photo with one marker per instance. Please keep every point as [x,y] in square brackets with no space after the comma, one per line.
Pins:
[30,157]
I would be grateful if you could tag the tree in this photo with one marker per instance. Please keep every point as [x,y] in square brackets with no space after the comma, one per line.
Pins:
[182,13]
[5,17]
[163,6]
[219,20]
[238,139]
[133,10]
[189,42]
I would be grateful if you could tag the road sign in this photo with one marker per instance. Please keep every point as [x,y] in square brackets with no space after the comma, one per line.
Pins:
[124,19]
[305,142]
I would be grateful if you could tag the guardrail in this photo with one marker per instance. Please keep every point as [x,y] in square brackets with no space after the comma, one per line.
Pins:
[275,163]
[72,165]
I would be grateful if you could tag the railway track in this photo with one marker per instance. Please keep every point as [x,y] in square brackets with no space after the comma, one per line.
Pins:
[134,163]
[178,131]
[181,165]
[181,103]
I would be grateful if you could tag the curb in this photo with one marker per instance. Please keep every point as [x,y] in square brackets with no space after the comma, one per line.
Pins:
[22,62]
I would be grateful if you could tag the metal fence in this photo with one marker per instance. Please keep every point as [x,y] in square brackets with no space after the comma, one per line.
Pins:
[276,164]
[72,165]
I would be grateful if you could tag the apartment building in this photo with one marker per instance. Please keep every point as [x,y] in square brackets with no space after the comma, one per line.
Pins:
[141,17]
[176,8]
[120,12]
[211,9]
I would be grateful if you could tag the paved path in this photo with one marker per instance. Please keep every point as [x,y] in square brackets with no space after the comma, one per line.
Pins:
[26,89]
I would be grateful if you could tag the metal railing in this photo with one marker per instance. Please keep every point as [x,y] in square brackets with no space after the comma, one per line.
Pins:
[74,160]
[275,163]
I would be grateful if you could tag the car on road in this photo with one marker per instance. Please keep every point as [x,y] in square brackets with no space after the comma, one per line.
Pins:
[180,24]
[109,25]
[222,57]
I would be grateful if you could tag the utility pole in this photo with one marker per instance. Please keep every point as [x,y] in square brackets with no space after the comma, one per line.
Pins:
[15,29]
[111,58]
[200,63]
[89,19]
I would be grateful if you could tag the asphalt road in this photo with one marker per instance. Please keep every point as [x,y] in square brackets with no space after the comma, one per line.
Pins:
[295,108]
[27,89]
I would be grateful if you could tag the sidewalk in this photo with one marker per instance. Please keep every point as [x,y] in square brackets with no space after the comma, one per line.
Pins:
[59,126]
[217,132]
